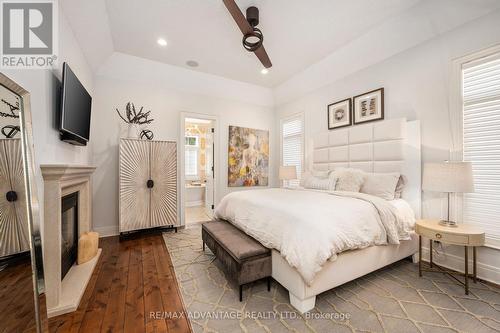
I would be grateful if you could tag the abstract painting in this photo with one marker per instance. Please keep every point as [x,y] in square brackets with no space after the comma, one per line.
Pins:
[248,157]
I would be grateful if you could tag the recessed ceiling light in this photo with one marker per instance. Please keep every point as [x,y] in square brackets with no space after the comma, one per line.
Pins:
[192,63]
[161,42]
[264,71]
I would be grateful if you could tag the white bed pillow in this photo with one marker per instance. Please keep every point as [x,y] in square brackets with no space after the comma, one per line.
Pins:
[348,179]
[382,185]
[320,173]
[314,173]
[303,178]
[309,180]
[398,194]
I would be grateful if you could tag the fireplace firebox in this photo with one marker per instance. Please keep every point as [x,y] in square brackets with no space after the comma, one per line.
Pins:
[69,232]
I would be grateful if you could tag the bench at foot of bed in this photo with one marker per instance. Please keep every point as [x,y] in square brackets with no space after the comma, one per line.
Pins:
[244,259]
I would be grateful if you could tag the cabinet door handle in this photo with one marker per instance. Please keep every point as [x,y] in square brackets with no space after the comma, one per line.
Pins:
[439,236]
[11,196]
[150,183]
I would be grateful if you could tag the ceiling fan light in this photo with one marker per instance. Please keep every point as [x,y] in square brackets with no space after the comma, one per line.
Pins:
[264,71]
[250,45]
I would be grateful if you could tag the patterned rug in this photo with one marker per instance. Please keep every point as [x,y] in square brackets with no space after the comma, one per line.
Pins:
[392,299]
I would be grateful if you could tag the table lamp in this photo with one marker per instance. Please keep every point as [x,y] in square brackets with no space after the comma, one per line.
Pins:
[287,173]
[448,177]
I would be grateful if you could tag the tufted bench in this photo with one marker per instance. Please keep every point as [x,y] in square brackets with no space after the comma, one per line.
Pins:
[244,259]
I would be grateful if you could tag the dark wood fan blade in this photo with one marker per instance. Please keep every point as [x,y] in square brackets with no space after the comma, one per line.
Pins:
[238,16]
[263,57]
[246,28]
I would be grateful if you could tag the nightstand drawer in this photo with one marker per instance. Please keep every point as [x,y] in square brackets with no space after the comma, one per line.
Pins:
[443,236]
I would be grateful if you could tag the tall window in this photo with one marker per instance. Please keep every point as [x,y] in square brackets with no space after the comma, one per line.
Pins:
[292,144]
[191,156]
[481,142]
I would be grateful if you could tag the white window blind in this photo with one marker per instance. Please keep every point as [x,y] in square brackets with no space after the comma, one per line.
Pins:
[481,143]
[191,162]
[191,156]
[292,142]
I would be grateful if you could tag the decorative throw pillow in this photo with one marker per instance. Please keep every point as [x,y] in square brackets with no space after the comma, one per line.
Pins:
[400,187]
[348,179]
[382,185]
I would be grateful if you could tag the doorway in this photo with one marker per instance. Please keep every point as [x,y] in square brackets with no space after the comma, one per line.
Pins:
[197,168]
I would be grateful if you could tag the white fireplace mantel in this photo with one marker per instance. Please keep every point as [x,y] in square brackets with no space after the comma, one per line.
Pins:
[59,181]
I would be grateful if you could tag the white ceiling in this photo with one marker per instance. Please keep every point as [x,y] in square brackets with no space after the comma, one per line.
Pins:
[298,33]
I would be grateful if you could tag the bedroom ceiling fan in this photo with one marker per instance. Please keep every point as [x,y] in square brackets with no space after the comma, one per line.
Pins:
[252,36]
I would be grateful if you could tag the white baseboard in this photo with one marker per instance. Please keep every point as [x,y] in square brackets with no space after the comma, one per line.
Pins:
[107,231]
[484,271]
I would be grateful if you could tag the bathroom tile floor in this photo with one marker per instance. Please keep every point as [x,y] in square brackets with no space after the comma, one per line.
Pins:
[196,214]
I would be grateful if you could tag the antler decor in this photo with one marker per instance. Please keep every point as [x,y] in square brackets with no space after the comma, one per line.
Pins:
[134,117]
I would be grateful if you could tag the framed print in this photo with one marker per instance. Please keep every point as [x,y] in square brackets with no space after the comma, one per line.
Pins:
[369,106]
[339,114]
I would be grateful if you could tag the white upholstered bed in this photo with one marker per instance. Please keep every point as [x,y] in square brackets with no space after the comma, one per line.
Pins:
[386,146]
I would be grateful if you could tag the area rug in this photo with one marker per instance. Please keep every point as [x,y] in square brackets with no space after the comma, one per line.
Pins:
[393,299]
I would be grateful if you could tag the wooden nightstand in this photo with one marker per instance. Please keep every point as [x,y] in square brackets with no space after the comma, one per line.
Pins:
[465,235]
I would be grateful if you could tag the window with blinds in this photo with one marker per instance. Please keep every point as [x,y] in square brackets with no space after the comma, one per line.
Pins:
[191,162]
[292,144]
[191,156]
[481,143]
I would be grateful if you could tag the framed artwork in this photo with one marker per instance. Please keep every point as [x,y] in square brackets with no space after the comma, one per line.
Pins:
[369,106]
[248,157]
[339,114]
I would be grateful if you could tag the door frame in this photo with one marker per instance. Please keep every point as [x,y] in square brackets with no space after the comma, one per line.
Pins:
[181,158]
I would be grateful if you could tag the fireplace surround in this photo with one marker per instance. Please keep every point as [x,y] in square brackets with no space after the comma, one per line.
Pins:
[64,291]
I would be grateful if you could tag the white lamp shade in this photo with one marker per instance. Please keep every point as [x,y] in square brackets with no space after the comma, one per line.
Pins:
[288,172]
[452,177]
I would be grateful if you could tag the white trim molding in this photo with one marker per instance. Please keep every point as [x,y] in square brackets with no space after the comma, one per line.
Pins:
[107,231]
[456,123]
[181,151]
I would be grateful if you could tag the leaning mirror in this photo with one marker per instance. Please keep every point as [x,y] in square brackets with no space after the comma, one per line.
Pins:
[22,302]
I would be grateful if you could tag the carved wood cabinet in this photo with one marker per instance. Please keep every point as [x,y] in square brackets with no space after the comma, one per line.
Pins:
[148,184]
[14,232]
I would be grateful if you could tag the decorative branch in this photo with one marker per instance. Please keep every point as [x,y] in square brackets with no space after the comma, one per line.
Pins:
[134,117]
[10,131]
[13,108]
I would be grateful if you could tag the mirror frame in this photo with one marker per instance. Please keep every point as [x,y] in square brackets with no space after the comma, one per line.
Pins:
[32,204]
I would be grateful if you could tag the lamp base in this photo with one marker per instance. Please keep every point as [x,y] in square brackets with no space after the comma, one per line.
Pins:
[451,224]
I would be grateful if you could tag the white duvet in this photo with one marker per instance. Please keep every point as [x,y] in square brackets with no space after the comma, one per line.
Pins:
[309,227]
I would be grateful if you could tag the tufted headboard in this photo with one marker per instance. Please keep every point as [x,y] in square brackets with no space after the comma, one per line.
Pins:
[384,146]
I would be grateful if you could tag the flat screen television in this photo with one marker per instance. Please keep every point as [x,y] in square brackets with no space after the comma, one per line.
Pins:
[75,109]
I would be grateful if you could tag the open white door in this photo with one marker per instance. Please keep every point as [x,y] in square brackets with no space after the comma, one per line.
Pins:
[209,172]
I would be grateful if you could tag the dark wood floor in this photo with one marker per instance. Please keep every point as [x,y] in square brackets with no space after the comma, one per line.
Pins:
[134,278]
[17,306]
